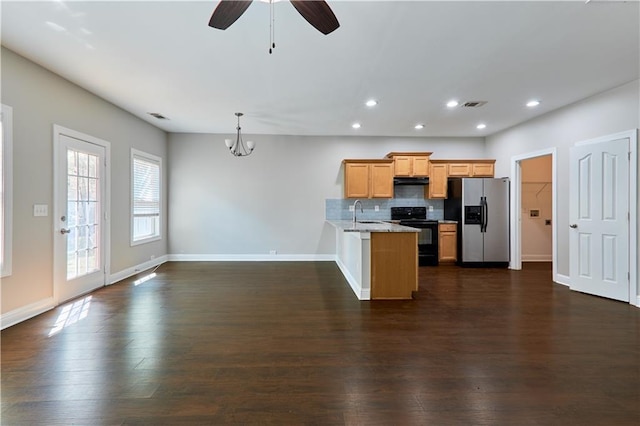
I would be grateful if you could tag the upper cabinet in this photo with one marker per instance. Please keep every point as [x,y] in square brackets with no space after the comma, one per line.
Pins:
[471,168]
[368,178]
[410,164]
[437,187]
[374,178]
[443,169]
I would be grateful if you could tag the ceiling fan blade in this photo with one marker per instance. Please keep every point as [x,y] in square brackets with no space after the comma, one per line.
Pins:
[317,13]
[227,12]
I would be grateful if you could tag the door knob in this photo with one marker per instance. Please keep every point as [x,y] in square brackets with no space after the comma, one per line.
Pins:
[65,231]
[573,225]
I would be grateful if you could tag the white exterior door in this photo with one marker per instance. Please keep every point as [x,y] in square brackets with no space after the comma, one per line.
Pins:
[599,218]
[80,215]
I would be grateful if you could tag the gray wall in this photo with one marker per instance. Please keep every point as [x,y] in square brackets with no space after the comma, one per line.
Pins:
[610,112]
[275,198]
[39,100]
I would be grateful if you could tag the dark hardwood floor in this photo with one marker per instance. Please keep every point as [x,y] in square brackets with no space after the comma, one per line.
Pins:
[288,343]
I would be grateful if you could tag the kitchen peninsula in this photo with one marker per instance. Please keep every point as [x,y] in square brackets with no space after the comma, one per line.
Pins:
[378,259]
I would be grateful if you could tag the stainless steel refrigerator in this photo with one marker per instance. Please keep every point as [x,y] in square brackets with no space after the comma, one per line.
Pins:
[481,208]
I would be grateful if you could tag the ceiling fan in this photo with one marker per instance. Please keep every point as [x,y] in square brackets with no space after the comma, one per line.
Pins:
[316,12]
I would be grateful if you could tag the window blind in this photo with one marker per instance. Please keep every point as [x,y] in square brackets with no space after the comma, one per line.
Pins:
[146,187]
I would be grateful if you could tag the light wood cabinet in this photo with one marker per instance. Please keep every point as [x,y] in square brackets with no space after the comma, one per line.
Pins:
[471,168]
[485,169]
[459,169]
[410,164]
[368,178]
[443,169]
[447,242]
[437,187]
[394,265]
[374,178]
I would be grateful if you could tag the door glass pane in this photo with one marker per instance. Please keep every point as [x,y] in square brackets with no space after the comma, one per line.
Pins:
[93,189]
[83,164]
[83,214]
[83,189]
[72,162]
[93,166]
[72,188]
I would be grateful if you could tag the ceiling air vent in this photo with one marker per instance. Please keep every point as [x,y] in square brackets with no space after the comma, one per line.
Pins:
[473,104]
[157,115]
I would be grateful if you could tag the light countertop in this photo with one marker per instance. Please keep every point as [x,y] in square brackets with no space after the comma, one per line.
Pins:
[370,226]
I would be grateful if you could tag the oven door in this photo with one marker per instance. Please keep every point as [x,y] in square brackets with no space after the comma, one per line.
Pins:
[427,242]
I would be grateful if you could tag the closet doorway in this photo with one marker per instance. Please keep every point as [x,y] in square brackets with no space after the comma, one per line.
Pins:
[536,209]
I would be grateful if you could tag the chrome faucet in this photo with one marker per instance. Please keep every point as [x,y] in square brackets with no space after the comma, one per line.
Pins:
[354,209]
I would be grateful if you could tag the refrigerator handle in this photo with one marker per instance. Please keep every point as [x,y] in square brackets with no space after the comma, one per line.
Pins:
[486,214]
[483,214]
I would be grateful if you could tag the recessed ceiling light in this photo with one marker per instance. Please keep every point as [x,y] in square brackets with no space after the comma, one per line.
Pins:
[356,125]
[452,104]
[533,103]
[481,126]
[419,126]
[371,103]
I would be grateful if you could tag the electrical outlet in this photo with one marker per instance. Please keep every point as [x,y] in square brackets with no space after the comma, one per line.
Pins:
[273,252]
[376,208]
[430,208]
[351,208]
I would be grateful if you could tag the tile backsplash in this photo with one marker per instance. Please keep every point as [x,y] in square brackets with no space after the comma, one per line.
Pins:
[405,196]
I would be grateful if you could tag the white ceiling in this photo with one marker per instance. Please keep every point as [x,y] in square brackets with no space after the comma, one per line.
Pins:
[160,56]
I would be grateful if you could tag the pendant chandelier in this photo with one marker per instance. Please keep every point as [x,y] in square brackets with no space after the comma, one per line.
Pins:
[238,147]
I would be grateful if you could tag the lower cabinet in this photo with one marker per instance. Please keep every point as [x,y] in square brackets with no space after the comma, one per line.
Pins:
[394,265]
[447,242]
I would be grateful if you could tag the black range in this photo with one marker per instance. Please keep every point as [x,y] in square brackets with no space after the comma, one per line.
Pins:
[416,217]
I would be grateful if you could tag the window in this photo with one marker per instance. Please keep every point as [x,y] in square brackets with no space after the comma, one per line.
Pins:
[146,204]
[6,189]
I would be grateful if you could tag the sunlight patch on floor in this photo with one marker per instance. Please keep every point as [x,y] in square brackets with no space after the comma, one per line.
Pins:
[71,314]
[144,279]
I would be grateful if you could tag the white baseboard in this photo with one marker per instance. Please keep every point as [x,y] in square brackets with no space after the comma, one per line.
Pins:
[355,285]
[252,257]
[563,279]
[537,258]
[129,272]
[637,305]
[26,312]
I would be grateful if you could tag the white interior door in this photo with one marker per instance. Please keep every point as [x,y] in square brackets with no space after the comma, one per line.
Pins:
[80,213]
[599,218]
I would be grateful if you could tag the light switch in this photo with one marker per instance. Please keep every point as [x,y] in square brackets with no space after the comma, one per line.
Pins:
[376,208]
[40,210]
[430,208]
